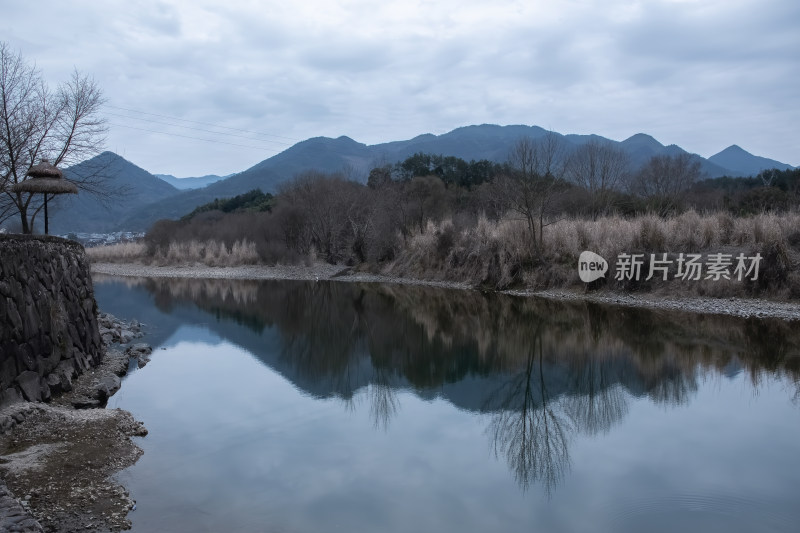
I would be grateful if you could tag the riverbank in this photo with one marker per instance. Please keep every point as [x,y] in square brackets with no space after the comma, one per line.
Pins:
[315,272]
[58,459]
[742,307]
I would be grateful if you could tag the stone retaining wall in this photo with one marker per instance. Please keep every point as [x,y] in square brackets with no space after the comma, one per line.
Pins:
[48,316]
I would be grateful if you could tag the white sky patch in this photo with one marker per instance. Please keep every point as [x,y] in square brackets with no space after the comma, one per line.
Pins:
[703,75]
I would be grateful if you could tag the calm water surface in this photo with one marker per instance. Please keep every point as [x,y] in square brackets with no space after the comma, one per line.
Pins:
[307,407]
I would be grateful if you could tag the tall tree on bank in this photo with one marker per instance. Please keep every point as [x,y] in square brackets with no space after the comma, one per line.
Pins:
[664,181]
[536,170]
[63,126]
[600,168]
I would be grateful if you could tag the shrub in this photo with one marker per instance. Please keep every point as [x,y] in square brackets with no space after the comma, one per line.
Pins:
[115,253]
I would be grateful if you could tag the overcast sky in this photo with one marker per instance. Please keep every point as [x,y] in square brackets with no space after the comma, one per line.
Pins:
[702,74]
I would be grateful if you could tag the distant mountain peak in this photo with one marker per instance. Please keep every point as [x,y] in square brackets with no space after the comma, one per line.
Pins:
[109,156]
[130,186]
[736,157]
[643,138]
[340,141]
[109,160]
[734,149]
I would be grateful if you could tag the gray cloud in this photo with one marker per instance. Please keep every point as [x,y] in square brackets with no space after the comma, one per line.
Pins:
[700,74]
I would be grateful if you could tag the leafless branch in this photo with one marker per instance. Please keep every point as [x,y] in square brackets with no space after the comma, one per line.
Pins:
[64,127]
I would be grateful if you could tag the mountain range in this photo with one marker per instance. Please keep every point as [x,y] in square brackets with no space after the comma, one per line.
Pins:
[190,183]
[142,198]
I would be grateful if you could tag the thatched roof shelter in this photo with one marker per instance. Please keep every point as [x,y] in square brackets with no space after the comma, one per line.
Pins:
[47,179]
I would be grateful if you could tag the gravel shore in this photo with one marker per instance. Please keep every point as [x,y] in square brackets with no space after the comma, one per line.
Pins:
[317,272]
[742,307]
[58,459]
[60,462]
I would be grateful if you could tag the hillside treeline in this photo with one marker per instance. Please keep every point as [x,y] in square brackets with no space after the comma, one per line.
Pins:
[505,224]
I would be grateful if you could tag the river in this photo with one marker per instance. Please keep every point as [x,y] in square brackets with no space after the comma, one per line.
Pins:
[283,406]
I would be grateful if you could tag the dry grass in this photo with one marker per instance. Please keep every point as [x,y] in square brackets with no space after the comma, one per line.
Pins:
[500,254]
[211,253]
[688,232]
[126,252]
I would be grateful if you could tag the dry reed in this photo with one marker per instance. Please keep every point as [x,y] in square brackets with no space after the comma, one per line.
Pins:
[124,252]
[501,254]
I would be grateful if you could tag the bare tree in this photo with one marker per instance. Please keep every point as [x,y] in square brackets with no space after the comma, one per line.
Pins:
[423,198]
[536,171]
[767,176]
[36,123]
[360,211]
[379,177]
[329,210]
[665,180]
[600,168]
[390,215]
[353,172]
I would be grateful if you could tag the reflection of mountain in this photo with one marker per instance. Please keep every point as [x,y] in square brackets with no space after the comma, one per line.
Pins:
[544,371]
[338,337]
[130,299]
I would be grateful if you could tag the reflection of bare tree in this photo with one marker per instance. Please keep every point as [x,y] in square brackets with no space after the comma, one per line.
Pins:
[383,403]
[531,430]
[316,323]
[673,386]
[769,344]
[597,402]
[325,340]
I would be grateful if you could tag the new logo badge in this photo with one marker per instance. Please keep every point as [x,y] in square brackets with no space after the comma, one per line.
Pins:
[591,267]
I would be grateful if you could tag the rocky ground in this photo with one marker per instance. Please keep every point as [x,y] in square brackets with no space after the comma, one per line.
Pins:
[57,460]
[729,306]
[742,307]
[315,272]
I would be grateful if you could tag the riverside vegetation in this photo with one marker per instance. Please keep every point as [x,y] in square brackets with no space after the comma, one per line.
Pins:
[520,224]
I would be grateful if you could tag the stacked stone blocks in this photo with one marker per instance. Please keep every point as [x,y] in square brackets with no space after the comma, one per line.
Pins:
[48,317]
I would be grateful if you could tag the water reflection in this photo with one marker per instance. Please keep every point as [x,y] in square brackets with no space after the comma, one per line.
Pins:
[542,372]
[531,428]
